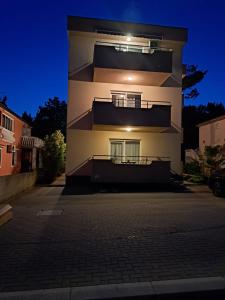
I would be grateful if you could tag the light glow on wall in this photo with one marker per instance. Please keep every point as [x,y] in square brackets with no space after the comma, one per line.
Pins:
[129,38]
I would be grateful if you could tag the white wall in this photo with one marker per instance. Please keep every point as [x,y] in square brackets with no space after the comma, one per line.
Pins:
[81,46]
[212,134]
[82,144]
[81,49]
[81,96]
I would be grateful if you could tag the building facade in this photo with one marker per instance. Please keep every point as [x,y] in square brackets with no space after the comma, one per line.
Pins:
[125,101]
[212,133]
[19,151]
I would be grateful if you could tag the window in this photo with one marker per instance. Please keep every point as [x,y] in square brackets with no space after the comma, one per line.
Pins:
[7,122]
[125,151]
[126,99]
[9,148]
[13,156]
[0,157]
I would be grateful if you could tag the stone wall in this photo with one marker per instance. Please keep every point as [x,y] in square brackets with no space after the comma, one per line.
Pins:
[11,185]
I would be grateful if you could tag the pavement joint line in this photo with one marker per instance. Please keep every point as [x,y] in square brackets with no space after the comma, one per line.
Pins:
[126,290]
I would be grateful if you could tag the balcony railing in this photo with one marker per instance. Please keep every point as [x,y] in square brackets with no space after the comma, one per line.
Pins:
[132,103]
[129,159]
[141,169]
[131,112]
[31,142]
[137,58]
[134,48]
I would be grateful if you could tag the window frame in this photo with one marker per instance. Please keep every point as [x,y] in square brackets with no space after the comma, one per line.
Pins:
[14,157]
[9,118]
[125,99]
[123,142]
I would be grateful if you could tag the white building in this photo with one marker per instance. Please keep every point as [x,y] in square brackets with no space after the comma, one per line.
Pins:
[125,101]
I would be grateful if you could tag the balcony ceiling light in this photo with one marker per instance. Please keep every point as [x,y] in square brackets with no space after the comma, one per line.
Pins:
[129,78]
[128,129]
[129,38]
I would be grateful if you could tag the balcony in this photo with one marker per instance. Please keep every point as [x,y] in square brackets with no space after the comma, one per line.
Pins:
[144,113]
[119,57]
[30,142]
[115,63]
[140,169]
[7,135]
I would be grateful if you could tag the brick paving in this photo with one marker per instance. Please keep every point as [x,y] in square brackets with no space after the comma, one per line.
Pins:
[111,238]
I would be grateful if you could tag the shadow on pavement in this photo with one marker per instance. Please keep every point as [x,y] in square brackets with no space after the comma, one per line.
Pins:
[82,189]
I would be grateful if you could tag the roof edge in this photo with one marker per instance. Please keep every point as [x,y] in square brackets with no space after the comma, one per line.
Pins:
[222,117]
[13,113]
[86,24]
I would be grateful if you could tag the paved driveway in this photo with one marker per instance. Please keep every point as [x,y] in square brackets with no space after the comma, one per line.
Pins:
[110,238]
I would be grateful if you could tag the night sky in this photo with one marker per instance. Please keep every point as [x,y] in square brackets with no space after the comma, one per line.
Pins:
[33,39]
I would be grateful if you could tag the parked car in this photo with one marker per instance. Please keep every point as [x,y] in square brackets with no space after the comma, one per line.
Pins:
[217,182]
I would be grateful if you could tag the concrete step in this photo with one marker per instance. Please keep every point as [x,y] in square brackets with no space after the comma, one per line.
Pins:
[5,213]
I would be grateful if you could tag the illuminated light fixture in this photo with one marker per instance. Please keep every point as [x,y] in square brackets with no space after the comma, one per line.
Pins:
[129,78]
[129,38]
[128,129]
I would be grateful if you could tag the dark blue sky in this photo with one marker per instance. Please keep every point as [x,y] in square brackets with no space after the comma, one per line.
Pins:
[33,39]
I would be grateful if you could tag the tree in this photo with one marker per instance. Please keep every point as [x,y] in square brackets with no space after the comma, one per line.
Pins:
[4,100]
[50,117]
[27,118]
[190,132]
[53,155]
[191,78]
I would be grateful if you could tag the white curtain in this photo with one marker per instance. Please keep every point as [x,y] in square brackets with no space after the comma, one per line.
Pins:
[132,151]
[118,100]
[125,151]
[130,100]
[117,151]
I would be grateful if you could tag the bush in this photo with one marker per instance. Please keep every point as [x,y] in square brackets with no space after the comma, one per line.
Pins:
[53,156]
[192,168]
[214,157]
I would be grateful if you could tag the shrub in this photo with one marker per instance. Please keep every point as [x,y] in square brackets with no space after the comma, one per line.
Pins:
[192,168]
[214,157]
[53,156]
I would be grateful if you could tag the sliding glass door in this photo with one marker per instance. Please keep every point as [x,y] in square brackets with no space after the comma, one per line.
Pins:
[125,151]
[132,151]
[134,100]
[126,99]
[117,151]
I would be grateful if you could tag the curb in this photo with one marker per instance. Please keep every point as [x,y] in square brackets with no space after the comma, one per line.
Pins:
[185,288]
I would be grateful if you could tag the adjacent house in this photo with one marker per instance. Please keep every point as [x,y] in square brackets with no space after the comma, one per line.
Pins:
[19,151]
[125,101]
[212,133]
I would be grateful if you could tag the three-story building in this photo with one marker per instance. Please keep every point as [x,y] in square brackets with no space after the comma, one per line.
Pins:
[125,101]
